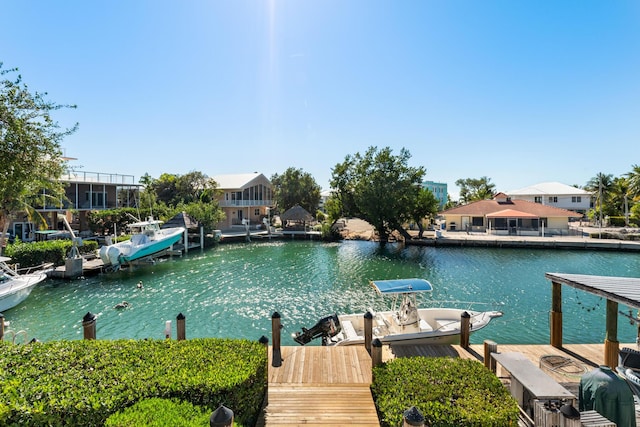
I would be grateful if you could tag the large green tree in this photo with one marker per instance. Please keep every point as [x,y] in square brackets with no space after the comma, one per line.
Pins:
[425,206]
[296,187]
[29,147]
[474,189]
[379,187]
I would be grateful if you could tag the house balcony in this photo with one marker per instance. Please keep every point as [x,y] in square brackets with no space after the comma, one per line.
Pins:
[244,203]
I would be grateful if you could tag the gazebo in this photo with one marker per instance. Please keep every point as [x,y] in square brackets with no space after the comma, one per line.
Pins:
[297,216]
[616,290]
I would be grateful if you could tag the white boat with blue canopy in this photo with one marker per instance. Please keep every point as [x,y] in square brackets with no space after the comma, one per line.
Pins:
[405,323]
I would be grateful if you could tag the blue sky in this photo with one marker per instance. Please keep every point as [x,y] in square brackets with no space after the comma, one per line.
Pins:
[519,91]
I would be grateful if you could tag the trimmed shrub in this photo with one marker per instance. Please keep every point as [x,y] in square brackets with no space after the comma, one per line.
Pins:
[82,383]
[158,412]
[448,392]
[37,253]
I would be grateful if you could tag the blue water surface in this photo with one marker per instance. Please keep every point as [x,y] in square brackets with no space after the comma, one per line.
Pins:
[232,290]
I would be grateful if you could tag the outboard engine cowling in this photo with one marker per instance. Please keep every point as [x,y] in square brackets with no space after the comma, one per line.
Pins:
[326,327]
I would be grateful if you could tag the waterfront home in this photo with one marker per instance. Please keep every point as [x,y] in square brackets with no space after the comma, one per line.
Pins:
[246,199]
[503,215]
[84,192]
[555,194]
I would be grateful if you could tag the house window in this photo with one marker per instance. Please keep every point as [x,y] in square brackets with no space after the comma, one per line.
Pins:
[553,199]
[537,199]
[256,212]
[576,199]
[477,221]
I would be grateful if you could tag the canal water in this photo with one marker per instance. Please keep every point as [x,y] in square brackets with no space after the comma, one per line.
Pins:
[232,290]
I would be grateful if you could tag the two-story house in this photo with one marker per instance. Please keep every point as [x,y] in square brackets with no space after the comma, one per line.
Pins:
[84,192]
[555,194]
[244,198]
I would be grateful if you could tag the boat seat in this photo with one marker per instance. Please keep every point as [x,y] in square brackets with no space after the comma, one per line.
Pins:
[424,326]
[348,329]
[446,325]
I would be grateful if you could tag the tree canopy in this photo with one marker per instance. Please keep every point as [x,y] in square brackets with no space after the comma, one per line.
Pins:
[380,188]
[296,187]
[473,189]
[29,147]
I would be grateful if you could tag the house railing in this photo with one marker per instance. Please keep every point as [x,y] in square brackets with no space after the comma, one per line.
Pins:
[244,203]
[97,177]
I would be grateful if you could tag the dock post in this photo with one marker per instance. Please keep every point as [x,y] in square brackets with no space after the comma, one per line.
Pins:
[186,241]
[489,361]
[465,329]
[181,327]
[1,326]
[89,326]
[368,333]
[412,417]
[376,353]
[221,417]
[555,334]
[276,326]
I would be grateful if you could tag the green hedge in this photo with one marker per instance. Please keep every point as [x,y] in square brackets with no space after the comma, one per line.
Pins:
[158,412]
[82,383]
[37,253]
[448,392]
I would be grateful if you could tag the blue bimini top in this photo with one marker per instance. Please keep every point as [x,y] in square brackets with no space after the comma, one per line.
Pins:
[401,286]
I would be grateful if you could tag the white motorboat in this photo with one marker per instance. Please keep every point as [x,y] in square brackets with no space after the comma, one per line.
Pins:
[147,240]
[405,323]
[15,287]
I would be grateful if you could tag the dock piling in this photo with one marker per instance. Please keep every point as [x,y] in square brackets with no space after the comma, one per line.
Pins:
[181,327]
[276,326]
[89,326]
[489,362]
[465,329]
[368,332]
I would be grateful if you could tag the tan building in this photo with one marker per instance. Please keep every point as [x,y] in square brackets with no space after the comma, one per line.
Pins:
[245,198]
[505,216]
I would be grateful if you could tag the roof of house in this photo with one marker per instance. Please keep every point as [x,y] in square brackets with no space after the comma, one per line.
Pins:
[549,188]
[493,207]
[182,220]
[236,181]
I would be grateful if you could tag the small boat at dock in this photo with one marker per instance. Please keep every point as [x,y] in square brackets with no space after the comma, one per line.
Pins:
[16,287]
[404,324]
[147,240]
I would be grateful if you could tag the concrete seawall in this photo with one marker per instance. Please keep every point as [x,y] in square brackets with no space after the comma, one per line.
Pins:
[568,243]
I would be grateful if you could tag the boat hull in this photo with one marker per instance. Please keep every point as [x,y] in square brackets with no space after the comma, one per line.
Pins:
[436,326]
[139,247]
[14,291]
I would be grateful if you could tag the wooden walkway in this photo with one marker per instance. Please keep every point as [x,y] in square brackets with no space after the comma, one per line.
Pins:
[320,386]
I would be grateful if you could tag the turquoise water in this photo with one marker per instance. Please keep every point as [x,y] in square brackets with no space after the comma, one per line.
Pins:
[233,289]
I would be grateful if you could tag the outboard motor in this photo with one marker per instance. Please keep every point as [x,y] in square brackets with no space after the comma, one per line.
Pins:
[326,328]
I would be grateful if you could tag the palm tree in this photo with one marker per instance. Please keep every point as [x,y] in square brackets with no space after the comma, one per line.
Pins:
[633,178]
[600,188]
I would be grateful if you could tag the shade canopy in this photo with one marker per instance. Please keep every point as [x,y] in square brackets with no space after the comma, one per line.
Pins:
[401,286]
[296,213]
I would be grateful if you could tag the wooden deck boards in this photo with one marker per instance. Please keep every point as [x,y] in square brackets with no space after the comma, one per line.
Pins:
[320,386]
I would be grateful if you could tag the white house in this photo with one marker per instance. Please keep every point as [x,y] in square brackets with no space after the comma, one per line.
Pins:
[555,194]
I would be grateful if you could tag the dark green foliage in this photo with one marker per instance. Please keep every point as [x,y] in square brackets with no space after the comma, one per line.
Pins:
[330,233]
[82,383]
[37,253]
[448,392]
[295,187]
[160,413]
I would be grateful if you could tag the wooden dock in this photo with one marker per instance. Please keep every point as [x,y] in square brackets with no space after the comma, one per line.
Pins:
[321,386]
